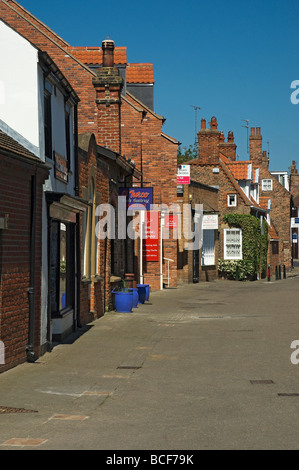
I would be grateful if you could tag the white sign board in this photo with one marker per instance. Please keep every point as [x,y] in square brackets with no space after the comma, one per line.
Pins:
[183,174]
[294,222]
[210,222]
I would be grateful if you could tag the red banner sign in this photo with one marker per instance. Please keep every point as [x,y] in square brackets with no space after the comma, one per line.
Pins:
[151,242]
[171,221]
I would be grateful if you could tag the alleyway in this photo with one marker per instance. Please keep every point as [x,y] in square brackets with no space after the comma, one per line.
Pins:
[206,366]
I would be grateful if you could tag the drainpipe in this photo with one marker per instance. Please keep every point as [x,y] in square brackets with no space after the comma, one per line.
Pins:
[31,357]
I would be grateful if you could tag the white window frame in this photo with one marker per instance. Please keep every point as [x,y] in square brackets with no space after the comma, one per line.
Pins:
[234,202]
[225,233]
[265,183]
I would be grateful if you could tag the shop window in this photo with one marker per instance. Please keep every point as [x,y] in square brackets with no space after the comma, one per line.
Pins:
[267,185]
[232,200]
[62,266]
[233,243]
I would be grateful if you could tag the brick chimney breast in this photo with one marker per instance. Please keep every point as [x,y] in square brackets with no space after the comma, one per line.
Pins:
[108,85]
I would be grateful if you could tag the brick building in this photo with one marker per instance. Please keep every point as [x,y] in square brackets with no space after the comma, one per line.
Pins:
[294,191]
[278,196]
[104,119]
[201,263]
[21,172]
[242,189]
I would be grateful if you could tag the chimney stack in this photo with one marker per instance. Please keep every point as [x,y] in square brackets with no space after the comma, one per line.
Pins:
[208,142]
[108,85]
[228,148]
[108,53]
[255,146]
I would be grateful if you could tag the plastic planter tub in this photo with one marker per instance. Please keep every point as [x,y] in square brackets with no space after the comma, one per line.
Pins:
[135,296]
[123,301]
[141,293]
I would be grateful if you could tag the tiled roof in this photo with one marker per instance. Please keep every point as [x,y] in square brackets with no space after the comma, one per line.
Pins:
[10,145]
[272,232]
[94,55]
[140,73]
[263,201]
[239,169]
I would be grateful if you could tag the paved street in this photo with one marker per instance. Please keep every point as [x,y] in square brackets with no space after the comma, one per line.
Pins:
[175,374]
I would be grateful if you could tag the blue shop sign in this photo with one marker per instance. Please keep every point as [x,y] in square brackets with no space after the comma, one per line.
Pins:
[138,198]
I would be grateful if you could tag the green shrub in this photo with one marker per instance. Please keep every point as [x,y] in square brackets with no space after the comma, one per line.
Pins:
[254,248]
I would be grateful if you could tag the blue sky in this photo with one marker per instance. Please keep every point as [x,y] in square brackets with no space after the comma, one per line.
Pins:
[233,59]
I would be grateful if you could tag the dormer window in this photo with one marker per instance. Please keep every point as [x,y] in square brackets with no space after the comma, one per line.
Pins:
[231,200]
[267,185]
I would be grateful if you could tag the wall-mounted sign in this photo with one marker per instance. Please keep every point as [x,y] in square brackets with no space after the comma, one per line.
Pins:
[183,174]
[171,221]
[61,169]
[295,238]
[210,222]
[138,198]
[151,242]
[295,222]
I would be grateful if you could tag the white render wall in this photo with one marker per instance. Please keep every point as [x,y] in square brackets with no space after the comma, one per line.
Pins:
[19,87]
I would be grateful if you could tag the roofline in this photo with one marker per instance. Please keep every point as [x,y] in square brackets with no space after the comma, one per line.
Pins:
[37,19]
[44,34]
[172,139]
[44,56]
[146,108]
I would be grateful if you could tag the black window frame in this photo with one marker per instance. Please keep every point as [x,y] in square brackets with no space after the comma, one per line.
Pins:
[48,124]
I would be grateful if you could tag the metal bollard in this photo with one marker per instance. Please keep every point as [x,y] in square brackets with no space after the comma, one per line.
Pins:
[268,273]
[276,273]
[279,271]
[284,272]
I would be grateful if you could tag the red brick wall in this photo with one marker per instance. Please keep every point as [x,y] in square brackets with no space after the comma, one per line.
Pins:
[280,197]
[96,294]
[15,190]
[156,155]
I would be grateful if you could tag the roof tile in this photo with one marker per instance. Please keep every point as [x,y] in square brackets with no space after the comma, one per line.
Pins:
[94,55]
[140,73]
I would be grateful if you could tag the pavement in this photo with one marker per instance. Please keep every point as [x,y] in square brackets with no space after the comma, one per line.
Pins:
[202,367]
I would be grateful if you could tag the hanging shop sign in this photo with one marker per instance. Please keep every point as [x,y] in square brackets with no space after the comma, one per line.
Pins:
[61,169]
[138,198]
[210,222]
[183,174]
[151,234]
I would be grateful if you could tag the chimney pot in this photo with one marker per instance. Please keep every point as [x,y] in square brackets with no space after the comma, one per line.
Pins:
[213,123]
[203,123]
[258,131]
[230,136]
[108,53]
[252,130]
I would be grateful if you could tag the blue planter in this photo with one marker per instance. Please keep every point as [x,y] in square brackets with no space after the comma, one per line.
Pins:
[141,293]
[135,296]
[123,301]
[147,290]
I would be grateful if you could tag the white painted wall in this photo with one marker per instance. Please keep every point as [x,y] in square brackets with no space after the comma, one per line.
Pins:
[19,85]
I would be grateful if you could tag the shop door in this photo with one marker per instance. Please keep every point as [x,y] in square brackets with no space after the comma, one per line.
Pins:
[62,268]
